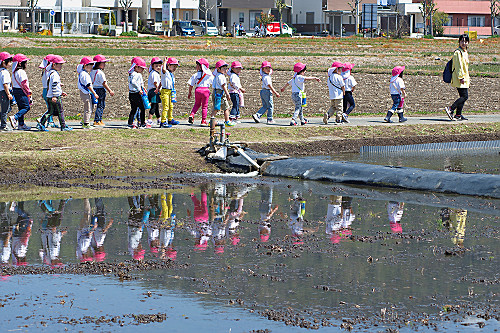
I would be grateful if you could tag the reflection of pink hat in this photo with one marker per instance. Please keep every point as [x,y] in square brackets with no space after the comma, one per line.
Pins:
[100,58]
[297,240]
[100,256]
[219,249]
[139,255]
[347,67]
[397,70]
[171,254]
[57,59]
[86,60]
[203,61]
[396,228]
[156,60]
[21,263]
[220,63]
[264,237]
[20,58]
[337,64]
[172,61]
[201,247]
[4,56]
[299,67]
[85,259]
[235,240]
[236,64]
[265,64]
[153,249]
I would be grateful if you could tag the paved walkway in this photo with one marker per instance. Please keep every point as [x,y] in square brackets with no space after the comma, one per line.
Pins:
[315,121]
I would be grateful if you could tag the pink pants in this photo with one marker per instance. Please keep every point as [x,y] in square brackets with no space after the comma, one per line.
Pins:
[200,208]
[201,97]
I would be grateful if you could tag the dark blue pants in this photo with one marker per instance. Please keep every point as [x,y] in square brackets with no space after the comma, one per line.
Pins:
[235,111]
[23,103]
[101,103]
[348,99]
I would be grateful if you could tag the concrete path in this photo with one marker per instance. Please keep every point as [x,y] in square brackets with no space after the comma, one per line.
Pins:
[315,121]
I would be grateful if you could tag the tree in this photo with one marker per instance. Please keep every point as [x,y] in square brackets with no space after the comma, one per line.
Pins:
[495,10]
[125,4]
[427,9]
[265,19]
[280,4]
[440,19]
[32,5]
[205,7]
[354,4]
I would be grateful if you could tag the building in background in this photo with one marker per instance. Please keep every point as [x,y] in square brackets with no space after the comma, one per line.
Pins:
[465,15]
[184,10]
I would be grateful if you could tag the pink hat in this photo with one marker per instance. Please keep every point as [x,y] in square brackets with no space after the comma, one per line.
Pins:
[220,63]
[86,60]
[236,64]
[235,240]
[85,259]
[299,67]
[21,263]
[172,254]
[57,59]
[100,256]
[264,238]
[156,60]
[397,70]
[201,247]
[139,255]
[154,249]
[20,58]
[203,61]
[100,58]
[265,64]
[219,249]
[172,61]
[347,67]
[396,228]
[138,61]
[49,57]
[4,56]
[337,64]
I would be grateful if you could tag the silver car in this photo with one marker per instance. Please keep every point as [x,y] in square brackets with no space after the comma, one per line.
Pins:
[200,30]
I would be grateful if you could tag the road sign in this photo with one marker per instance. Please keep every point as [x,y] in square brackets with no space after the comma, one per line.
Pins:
[52,12]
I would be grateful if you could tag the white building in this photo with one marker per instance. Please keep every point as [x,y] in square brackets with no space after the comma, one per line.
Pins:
[114,5]
[308,16]
[185,10]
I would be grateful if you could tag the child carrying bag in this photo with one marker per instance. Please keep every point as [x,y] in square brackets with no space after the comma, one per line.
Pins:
[145,100]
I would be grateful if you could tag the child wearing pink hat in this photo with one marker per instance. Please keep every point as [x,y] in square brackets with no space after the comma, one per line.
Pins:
[6,97]
[398,94]
[135,90]
[154,83]
[101,86]
[86,90]
[55,94]
[336,89]
[201,81]
[21,90]
[236,91]
[45,66]
[221,94]
[266,94]
[298,94]
[168,93]
[350,85]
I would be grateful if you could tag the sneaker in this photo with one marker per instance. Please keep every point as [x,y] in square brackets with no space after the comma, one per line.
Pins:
[158,121]
[53,125]
[173,122]
[41,128]
[344,118]
[13,122]
[303,122]
[460,117]
[165,125]
[87,126]
[191,119]
[98,123]
[271,122]
[148,126]
[229,123]
[256,118]
[149,122]
[338,119]
[449,113]
[293,123]
[23,127]
[204,123]
[132,126]
[325,118]
[5,129]
[66,128]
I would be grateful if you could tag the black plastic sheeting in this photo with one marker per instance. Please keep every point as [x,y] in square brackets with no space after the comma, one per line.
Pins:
[386,176]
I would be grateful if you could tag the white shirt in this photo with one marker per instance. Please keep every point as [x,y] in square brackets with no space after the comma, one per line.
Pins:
[205,83]
[266,82]
[98,78]
[135,82]
[396,84]
[134,238]
[99,237]
[219,81]
[395,212]
[4,78]
[84,82]
[45,77]
[18,77]
[234,83]
[54,89]
[83,241]
[350,82]
[297,83]
[168,80]
[335,84]
[51,242]
[154,76]
[166,237]
[5,255]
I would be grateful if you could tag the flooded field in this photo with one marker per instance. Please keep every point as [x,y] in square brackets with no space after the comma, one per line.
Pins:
[240,255]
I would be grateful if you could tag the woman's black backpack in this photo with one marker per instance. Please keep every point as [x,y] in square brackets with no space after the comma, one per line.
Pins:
[448,71]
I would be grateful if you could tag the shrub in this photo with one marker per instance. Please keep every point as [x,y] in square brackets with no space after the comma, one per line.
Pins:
[129,34]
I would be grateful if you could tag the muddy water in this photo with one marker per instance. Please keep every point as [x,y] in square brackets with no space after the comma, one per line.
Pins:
[253,255]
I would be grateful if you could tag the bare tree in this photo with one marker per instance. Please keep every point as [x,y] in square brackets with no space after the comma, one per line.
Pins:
[205,7]
[495,10]
[280,4]
[32,5]
[125,4]
[427,9]
[354,4]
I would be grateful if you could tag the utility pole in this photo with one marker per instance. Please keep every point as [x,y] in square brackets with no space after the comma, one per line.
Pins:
[62,18]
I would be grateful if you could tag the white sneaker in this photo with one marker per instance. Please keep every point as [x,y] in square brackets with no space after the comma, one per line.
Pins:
[13,122]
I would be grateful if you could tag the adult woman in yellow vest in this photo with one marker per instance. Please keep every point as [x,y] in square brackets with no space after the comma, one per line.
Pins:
[460,78]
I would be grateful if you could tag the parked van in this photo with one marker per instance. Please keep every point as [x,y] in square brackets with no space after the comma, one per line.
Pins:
[199,28]
[273,29]
[183,28]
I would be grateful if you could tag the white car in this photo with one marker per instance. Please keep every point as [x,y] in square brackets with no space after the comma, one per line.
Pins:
[496,30]
[199,28]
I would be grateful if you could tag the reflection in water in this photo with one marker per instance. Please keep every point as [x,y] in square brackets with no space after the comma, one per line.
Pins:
[339,217]
[395,212]
[266,211]
[84,234]
[5,233]
[21,234]
[51,232]
[454,220]
[296,222]
[200,230]
[100,231]
[138,216]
